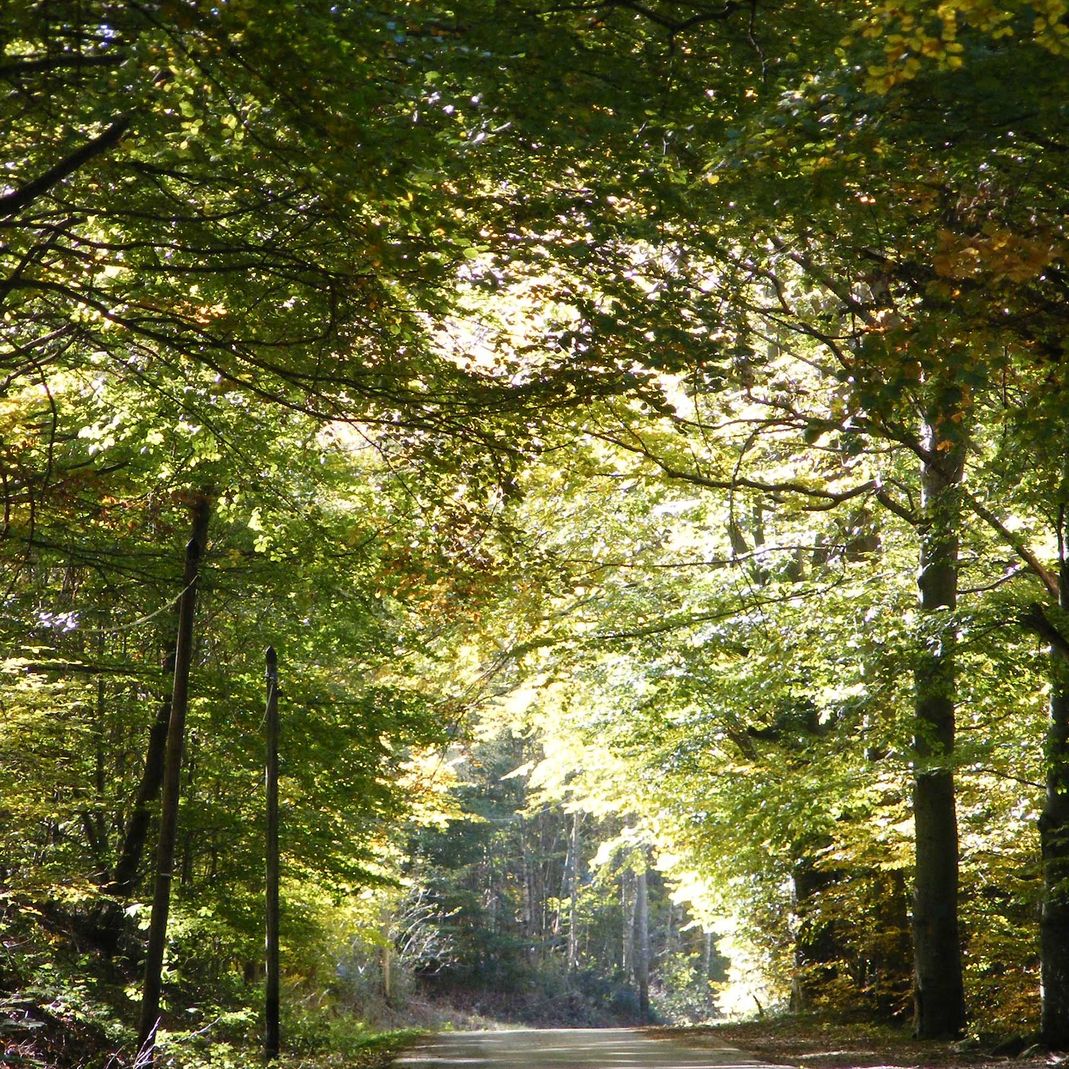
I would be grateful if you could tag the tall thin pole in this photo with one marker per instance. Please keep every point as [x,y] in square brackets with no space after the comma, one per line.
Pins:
[172,768]
[272,1037]
[573,895]
[642,949]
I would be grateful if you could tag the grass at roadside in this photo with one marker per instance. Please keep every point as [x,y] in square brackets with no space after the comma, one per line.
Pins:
[375,1051]
[48,1034]
[359,1049]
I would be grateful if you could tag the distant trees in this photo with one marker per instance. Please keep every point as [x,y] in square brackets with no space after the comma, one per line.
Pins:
[533,923]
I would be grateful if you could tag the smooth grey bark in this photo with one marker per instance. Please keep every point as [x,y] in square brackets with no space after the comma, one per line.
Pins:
[939,999]
[642,945]
[573,893]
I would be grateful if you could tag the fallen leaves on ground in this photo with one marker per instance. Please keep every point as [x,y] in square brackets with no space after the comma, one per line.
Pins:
[815,1044]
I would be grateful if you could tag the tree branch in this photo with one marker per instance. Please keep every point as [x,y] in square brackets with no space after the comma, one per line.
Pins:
[1044,574]
[18,66]
[79,668]
[827,499]
[13,202]
[673,26]
[1035,619]
[901,511]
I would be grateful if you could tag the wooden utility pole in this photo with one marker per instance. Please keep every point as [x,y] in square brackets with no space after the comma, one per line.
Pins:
[172,769]
[272,1039]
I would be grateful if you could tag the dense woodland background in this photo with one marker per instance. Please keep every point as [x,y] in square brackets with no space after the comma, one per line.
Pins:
[576,395]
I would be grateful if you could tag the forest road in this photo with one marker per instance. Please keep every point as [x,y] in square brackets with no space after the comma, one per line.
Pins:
[571,1048]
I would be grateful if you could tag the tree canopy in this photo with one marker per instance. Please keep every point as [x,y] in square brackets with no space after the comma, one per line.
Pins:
[640,428]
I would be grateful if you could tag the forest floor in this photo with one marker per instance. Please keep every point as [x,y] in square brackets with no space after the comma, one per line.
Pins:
[817,1044]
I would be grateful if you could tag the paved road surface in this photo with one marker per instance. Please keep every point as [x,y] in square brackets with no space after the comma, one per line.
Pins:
[570,1048]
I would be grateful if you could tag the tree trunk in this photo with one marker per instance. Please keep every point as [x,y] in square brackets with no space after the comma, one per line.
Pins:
[272,1041]
[96,830]
[891,949]
[387,971]
[125,879]
[1054,841]
[573,894]
[189,835]
[127,868]
[817,945]
[642,946]
[168,834]
[939,1002]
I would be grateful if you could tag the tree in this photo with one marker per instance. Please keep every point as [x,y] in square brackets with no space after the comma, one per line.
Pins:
[838,175]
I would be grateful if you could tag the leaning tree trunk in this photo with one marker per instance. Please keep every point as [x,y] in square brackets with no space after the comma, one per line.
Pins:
[168,830]
[1054,841]
[939,1000]
[127,869]
[108,923]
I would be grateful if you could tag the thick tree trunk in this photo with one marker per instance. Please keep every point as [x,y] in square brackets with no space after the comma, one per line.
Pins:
[939,1001]
[1054,841]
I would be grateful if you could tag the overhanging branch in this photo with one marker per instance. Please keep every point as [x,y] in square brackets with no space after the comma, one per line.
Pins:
[13,202]
[1044,574]
[1035,619]
[821,499]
